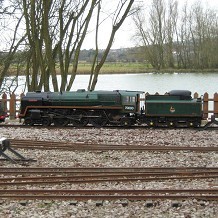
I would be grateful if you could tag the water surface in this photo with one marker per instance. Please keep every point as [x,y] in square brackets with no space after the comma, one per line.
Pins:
[149,82]
[154,82]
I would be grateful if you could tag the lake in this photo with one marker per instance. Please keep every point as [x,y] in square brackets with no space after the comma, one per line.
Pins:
[150,82]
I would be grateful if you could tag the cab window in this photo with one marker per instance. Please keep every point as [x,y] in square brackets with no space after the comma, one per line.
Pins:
[132,99]
[127,99]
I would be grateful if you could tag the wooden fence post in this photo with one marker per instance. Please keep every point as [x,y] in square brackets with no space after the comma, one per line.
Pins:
[12,106]
[215,105]
[195,95]
[4,102]
[205,105]
[21,95]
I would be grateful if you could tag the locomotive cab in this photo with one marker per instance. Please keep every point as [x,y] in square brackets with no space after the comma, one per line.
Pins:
[130,101]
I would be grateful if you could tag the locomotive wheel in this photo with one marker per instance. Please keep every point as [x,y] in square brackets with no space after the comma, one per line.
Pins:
[197,124]
[190,124]
[100,119]
[61,122]
[126,122]
[193,124]
[28,121]
[151,123]
[46,121]
[80,118]
[171,124]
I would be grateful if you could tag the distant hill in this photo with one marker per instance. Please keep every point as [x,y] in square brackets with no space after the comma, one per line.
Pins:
[115,55]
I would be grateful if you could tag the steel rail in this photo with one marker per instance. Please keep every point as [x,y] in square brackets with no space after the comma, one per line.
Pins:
[60,180]
[110,197]
[206,194]
[28,144]
[19,170]
[108,191]
[121,174]
[135,148]
[83,170]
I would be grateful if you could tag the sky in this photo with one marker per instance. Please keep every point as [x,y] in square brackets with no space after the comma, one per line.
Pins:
[124,36]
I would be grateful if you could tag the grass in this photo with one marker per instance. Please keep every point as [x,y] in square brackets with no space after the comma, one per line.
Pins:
[121,68]
[124,68]
[112,68]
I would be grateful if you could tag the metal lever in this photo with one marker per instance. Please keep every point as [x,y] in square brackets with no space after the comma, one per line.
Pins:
[5,145]
[213,121]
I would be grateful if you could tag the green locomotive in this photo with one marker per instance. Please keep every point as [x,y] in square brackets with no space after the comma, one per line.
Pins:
[99,108]
[80,108]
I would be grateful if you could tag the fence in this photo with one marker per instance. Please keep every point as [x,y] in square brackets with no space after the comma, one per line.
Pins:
[206,100]
[12,105]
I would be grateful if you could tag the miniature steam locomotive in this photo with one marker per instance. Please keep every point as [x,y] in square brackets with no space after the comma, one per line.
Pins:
[99,108]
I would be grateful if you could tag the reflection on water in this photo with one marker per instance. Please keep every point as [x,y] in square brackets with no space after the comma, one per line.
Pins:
[150,82]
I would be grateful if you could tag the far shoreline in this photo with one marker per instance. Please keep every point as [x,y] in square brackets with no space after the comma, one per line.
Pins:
[86,72]
[120,68]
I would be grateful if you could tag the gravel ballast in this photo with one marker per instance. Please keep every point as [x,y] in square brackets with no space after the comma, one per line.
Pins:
[141,136]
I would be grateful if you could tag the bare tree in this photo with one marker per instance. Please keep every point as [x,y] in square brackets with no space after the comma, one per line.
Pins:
[171,24]
[182,42]
[52,39]
[14,40]
[56,30]
[95,59]
[197,38]
[204,21]
[83,30]
[152,31]
[123,10]
[188,42]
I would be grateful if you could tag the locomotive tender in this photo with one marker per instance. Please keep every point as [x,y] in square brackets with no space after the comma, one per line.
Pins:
[176,108]
[119,107]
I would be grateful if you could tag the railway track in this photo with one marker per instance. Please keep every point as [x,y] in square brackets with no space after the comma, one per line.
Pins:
[21,177]
[27,176]
[48,145]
